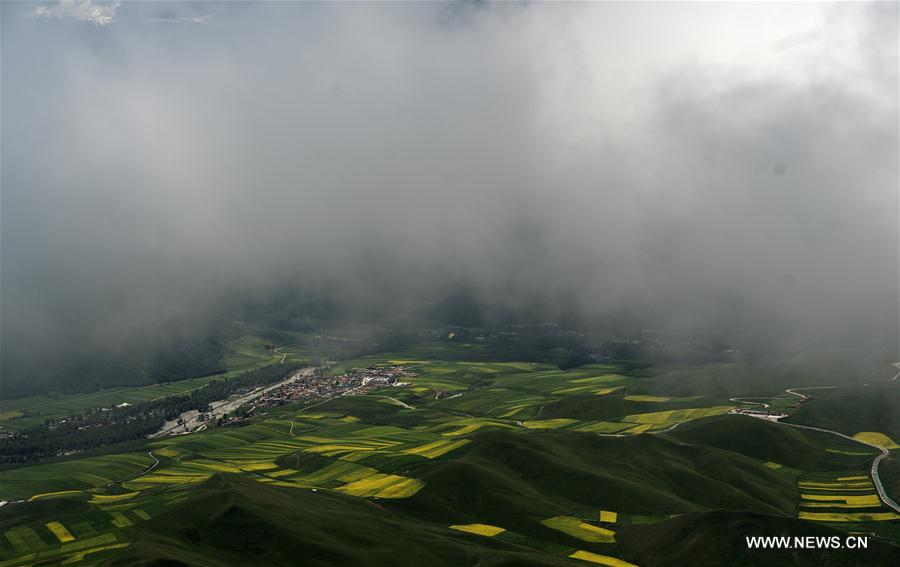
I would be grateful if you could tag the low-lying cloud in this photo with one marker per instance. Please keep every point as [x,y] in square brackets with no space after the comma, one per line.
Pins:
[698,166]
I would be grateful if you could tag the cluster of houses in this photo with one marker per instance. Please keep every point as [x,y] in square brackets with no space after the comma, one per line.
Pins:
[770,415]
[356,380]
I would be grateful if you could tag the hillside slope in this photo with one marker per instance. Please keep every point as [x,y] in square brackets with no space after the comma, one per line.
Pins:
[851,410]
[755,438]
[234,520]
[718,538]
[506,475]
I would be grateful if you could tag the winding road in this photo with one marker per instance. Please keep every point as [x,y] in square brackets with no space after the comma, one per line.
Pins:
[884,453]
[804,397]
[140,474]
[876,479]
[747,401]
[284,354]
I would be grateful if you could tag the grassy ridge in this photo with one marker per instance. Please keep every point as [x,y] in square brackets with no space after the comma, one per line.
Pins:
[232,520]
[851,410]
[719,538]
[759,439]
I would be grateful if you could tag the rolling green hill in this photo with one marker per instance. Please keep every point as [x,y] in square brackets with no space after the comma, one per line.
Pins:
[890,475]
[811,367]
[756,438]
[719,538]
[232,520]
[474,461]
[510,477]
[854,409]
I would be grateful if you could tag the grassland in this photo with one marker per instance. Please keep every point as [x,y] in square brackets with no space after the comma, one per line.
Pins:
[681,540]
[866,409]
[497,460]
[22,413]
[244,354]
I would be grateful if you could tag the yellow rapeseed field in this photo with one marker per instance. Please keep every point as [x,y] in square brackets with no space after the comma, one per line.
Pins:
[839,517]
[607,516]
[479,529]
[672,416]
[436,448]
[857,501]
[383,486]
[600,559]
[581,530]
[835,485]
[109,498]
[60,531]
[876,438]
[54,494]
[120,520]
[640,398]
[548,423]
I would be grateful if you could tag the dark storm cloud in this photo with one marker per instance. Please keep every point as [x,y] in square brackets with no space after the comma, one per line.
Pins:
[677,161]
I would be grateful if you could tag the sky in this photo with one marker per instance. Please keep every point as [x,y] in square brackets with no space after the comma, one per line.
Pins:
[695,165]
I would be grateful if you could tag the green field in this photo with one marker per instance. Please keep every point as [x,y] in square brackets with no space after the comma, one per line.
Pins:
[21,413]
[495,460]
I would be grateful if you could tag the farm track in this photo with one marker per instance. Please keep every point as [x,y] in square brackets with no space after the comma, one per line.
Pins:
[284,354]
[404,404]
[140,474]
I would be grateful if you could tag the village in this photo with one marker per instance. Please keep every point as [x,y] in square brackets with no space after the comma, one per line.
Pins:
[318,385]
[306,384]
[770,415]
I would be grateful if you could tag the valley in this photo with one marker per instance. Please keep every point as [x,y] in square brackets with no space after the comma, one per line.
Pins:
[494,456]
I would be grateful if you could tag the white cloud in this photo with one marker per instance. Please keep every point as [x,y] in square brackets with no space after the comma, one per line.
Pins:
[100,13]
[181,19]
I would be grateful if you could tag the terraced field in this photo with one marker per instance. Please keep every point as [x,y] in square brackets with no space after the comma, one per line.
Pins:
[846,498]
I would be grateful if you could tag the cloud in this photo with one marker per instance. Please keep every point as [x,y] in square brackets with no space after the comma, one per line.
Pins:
[100,13]
[202,19]
[597,158]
